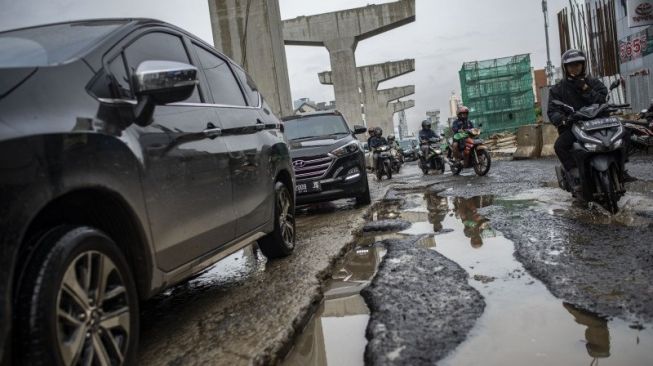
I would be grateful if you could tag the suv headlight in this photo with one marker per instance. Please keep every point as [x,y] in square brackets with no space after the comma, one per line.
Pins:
[350,148]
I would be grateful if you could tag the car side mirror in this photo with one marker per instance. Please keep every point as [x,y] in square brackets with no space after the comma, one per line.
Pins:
[165,82]
[442,135]
[358,129]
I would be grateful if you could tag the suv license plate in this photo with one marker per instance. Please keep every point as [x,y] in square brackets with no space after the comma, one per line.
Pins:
[309,187]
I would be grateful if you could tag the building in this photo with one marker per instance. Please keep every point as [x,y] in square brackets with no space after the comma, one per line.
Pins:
[454,102]
[403,125]
[305,105]
[635,56]
[499,92]
[434,117]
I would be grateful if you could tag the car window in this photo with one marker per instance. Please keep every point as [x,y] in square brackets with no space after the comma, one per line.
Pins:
[221,81]
[52,44]
[250,87]
[315,126]
[157,46]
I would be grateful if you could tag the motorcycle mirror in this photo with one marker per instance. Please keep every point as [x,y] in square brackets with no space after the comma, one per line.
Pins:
[615,84]
[557,102]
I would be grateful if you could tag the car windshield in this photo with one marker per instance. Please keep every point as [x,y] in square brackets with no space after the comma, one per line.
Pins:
[315,126]
[404,144]
[51,44]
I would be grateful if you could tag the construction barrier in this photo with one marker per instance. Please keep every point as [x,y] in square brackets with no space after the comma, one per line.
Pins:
[549,137]
[529,142]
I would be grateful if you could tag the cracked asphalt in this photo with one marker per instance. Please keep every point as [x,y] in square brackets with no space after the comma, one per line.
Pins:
[461,253]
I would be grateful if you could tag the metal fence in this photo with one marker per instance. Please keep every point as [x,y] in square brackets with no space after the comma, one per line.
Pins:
[640,91]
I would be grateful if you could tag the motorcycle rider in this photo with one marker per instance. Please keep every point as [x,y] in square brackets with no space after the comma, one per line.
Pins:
[395,145]
[461,124]
[377,140]
[577,89]
[425,134]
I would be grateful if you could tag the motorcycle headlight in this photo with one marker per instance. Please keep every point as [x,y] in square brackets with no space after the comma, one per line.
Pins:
[438,151]
[591,147]
[618,144]
[350,148]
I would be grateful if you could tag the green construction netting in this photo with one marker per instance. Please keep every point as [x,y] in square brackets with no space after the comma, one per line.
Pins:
[499,92]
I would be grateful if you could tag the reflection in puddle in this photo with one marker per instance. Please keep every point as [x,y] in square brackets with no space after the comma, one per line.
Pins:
[523,323]
[336,334]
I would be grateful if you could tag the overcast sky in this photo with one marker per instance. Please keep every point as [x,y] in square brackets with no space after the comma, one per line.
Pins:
[445,34]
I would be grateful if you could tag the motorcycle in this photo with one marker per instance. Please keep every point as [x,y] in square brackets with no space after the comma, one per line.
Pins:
[475,153]
[397,159]
[383,162]
[641,132]
[600,154]
[434,159]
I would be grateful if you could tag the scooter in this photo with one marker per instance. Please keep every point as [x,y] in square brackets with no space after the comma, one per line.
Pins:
[397,159]
[600,154]
[641,132]
[475,153]
[434,159]
[383,162]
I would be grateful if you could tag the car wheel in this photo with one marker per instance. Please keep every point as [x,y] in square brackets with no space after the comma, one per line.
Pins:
[281,242]
[364,198]
[78,302]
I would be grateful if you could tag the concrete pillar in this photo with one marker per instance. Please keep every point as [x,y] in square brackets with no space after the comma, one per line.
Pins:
[250,33]
[340,33]
[376,101]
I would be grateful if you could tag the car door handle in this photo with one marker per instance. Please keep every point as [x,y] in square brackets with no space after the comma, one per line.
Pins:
[260,126]
[212,131]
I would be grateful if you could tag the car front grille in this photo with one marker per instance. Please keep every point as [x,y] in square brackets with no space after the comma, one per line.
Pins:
[314,167]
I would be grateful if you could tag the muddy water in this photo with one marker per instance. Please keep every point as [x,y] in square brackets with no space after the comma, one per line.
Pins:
[522,323]
[336,333]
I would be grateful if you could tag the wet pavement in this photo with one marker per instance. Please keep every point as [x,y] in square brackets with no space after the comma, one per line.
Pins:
[503,269]
[453,289]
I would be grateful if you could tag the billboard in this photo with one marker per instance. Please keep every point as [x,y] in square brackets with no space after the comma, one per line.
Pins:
[640,13]
[636,46]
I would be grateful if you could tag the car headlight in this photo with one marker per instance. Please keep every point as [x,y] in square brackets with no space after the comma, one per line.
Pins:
[350,148]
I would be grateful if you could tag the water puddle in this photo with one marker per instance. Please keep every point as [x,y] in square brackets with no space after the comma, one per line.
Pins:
[336,333]
[523,323]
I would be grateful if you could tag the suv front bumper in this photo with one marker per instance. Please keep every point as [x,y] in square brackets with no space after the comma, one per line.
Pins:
[346,178]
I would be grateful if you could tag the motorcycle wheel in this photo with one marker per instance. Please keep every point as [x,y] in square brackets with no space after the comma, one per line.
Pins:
[379,174]
[482,162]
[388,170]
[610,197]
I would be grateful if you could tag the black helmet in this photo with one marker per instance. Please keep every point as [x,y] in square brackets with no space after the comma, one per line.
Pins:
[378,131]
[391,137]
[426,124]
[572,56]
[370,130]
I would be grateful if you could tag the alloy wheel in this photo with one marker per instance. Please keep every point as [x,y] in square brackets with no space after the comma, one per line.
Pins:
[286,217]
[93,314]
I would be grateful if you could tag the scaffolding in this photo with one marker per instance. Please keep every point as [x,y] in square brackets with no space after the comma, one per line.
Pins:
[499,93]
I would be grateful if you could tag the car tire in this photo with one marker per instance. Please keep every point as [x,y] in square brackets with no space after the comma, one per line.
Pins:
[77,302]
[281,241]
[364,198]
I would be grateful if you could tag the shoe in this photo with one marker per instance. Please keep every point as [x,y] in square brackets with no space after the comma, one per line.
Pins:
[629,178]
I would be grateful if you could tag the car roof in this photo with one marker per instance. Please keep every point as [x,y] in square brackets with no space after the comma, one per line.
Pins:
[312,114]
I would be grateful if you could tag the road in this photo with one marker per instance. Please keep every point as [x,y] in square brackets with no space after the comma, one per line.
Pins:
[503,269]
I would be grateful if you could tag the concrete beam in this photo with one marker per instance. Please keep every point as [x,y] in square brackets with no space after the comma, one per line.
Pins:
[373,75]
[340,33]
[396,93]
[357,23]
[375,101]
[402,105]
[250,32]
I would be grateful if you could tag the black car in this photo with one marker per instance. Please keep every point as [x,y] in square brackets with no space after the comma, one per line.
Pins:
[408,149]
[329,161]
[132,156]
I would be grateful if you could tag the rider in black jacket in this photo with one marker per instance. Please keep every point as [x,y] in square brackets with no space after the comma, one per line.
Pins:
[578,90]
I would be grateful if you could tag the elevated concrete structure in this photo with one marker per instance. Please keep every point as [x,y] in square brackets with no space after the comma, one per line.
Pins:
[340,33]
[376,101]
[401,105]
[250,33]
